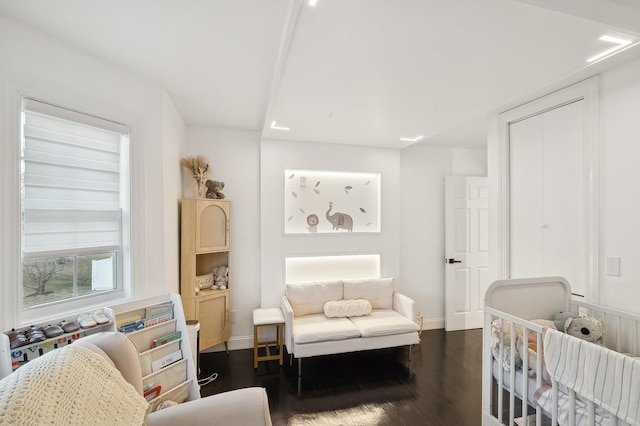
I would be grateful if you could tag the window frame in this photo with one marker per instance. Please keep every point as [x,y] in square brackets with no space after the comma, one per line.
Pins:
[11,93]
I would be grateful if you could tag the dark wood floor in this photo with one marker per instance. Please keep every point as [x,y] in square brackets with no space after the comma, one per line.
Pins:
[366,388]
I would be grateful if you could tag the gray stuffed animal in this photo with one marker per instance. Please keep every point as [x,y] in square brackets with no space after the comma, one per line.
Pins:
[214,189]
[561,318]
[585,328]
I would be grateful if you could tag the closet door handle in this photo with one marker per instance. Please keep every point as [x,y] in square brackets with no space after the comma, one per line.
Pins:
[452,261]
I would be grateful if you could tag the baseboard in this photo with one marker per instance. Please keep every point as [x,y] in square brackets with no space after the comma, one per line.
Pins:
[432,323]
[235,343]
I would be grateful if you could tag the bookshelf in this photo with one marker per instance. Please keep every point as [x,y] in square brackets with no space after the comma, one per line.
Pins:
[158,329]
[204,245]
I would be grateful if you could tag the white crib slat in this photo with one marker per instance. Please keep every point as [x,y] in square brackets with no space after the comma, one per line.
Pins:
[525,372]
[538,375]
[618,341]
[572,407]
[501,373]
[592,413]
[554,406]
[512,376]
[487,376]
[634,338]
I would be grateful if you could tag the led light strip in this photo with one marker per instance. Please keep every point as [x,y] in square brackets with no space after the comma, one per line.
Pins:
[619,42]
[274,127]
[416,139]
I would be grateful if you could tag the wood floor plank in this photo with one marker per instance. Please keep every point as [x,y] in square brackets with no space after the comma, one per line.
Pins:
[366,388]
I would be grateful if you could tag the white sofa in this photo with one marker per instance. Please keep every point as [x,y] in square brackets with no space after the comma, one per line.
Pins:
[310,332]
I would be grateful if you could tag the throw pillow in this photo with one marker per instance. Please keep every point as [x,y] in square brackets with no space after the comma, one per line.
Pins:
[347,308]
[379,291]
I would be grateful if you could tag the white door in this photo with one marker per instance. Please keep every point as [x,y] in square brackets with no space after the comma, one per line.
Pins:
[547,208]
[466,251]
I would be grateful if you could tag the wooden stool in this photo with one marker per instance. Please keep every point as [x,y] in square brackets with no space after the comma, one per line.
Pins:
[268,317]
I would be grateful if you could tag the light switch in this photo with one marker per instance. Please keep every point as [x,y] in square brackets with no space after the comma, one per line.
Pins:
[613,266]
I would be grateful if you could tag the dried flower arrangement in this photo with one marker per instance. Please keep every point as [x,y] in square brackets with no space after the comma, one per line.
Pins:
[199,168]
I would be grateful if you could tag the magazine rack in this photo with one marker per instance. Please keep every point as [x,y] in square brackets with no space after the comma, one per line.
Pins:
[161,339]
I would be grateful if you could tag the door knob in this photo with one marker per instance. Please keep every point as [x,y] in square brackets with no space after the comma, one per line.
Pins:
[452,261]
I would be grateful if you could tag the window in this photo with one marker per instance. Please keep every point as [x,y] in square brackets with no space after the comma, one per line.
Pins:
[75,205]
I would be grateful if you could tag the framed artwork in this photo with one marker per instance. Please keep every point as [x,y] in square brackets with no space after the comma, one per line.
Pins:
[324,202]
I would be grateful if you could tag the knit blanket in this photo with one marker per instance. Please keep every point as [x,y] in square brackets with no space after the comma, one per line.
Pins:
[69,386]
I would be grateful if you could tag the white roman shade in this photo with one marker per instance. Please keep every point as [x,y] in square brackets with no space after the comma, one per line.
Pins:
[72,180]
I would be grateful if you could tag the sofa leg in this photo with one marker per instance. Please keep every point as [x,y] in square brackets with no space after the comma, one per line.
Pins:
[299,376]
[410,358]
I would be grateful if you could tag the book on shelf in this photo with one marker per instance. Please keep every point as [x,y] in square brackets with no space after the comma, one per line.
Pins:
[157,319]
[166,339]
[138,324]
[152,393]
[130,327]
[167,360]
[161,308]
[128,320]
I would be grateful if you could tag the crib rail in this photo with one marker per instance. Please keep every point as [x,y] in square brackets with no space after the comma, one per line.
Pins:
[509,401]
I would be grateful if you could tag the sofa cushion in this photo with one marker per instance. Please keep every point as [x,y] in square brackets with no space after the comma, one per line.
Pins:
[383,323]
[309,298]
[319,328]
[378,291]
[347,308]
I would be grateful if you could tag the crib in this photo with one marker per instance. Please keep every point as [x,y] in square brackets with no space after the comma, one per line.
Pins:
[565,386]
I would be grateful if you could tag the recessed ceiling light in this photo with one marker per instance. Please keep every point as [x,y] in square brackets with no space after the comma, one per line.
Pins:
[620,43]
[312,2]
[416,139]
[274,127]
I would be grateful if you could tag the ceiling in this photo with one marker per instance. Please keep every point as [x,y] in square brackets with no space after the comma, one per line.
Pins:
[362,72]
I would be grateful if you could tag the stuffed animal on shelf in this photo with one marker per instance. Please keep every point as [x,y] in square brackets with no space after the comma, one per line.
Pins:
[214,189]
[220,277]
[585,328]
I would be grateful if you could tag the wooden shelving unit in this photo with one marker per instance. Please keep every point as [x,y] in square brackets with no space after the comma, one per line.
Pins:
[204,244]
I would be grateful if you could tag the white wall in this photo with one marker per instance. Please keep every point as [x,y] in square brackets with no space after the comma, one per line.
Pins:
[234,158]
[423,169]
[174,140]
[469,162]
[36,65]
[276,156]
[620,180]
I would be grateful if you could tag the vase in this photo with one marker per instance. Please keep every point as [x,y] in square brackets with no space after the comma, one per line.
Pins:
[199,190]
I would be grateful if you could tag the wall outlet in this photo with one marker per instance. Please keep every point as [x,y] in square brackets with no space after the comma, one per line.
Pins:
[613,266]
[233,317]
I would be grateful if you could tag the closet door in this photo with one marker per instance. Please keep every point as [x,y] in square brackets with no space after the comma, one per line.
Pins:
[547,187]
[526,213]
